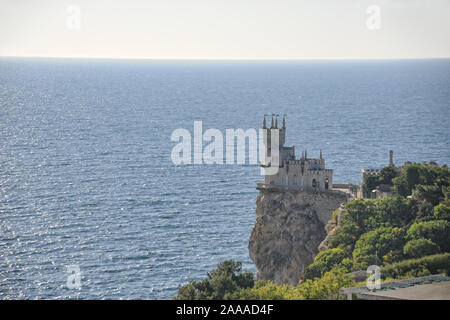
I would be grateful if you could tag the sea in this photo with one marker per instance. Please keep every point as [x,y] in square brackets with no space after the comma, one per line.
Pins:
[91,204]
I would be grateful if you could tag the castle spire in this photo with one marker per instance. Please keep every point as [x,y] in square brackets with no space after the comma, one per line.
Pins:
[321,154]
[276,121]
[264,123]
[306,155]
[271,124]
[284,122]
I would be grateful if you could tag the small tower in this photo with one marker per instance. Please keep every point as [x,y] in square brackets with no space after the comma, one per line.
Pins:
[268,133]
[391,158]
[282,132]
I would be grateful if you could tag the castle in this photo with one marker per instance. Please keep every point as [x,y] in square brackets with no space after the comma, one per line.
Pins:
[302,174]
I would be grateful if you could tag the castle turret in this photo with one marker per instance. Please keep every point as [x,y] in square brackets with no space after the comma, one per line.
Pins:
[268,133]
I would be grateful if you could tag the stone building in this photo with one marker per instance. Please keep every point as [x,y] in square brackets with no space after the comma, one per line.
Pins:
[383,190]
[303,174]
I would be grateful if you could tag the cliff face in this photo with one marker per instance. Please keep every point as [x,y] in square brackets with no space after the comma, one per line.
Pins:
[288,230]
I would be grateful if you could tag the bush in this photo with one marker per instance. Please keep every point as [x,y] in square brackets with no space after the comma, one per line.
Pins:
[390,212]
[432,194]
[221,282]
[419,248]
[421,174]
[442,212]
[326,287]
[267,290]
[437,231]
[324,262]
[439,263]
[378,243]
[323,288]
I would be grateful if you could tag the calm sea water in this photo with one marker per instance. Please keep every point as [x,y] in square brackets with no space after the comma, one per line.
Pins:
[86,177]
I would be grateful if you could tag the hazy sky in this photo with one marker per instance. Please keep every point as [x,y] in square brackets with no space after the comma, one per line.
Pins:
[226,29]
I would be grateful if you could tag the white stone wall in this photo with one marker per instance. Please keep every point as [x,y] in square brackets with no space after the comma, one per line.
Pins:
[291,175]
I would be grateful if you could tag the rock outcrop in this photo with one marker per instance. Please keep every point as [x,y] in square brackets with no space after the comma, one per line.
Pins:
[331,227]
[288,230]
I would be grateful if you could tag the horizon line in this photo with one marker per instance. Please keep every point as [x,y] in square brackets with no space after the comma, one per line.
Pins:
[228,59]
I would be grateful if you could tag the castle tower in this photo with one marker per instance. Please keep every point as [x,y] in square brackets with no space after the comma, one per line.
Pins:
[282,132]
[391,158]
[268,134]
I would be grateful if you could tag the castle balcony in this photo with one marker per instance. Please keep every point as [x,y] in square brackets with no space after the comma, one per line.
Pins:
[284,188]
[317,171]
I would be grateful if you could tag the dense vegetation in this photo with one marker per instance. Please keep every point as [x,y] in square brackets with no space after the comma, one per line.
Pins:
[415,223]
[228,281]
[407,235]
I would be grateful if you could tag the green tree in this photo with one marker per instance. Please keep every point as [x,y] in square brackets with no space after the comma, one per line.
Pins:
[326,287]
[267,290]
[442,211]
[370,183]
[404,184]
[419,248]
[389,212]
[387,174]
[421,174]
[437,231]
[375,244]
[430,193]
[324,262]
[227,278]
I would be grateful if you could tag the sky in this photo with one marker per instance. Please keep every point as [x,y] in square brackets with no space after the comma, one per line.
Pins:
[226,29]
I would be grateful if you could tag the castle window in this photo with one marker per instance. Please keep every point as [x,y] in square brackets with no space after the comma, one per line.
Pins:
[314,183]
[326,183]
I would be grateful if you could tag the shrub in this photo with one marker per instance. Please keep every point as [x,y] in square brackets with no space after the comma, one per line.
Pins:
[442,212]
[220,282]
[267,290]
[326,287]
[437,231]
[419,248]
[438,263]
[324,262]
[378,242]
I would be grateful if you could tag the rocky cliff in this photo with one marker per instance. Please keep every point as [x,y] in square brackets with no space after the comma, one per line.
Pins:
[288,230]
